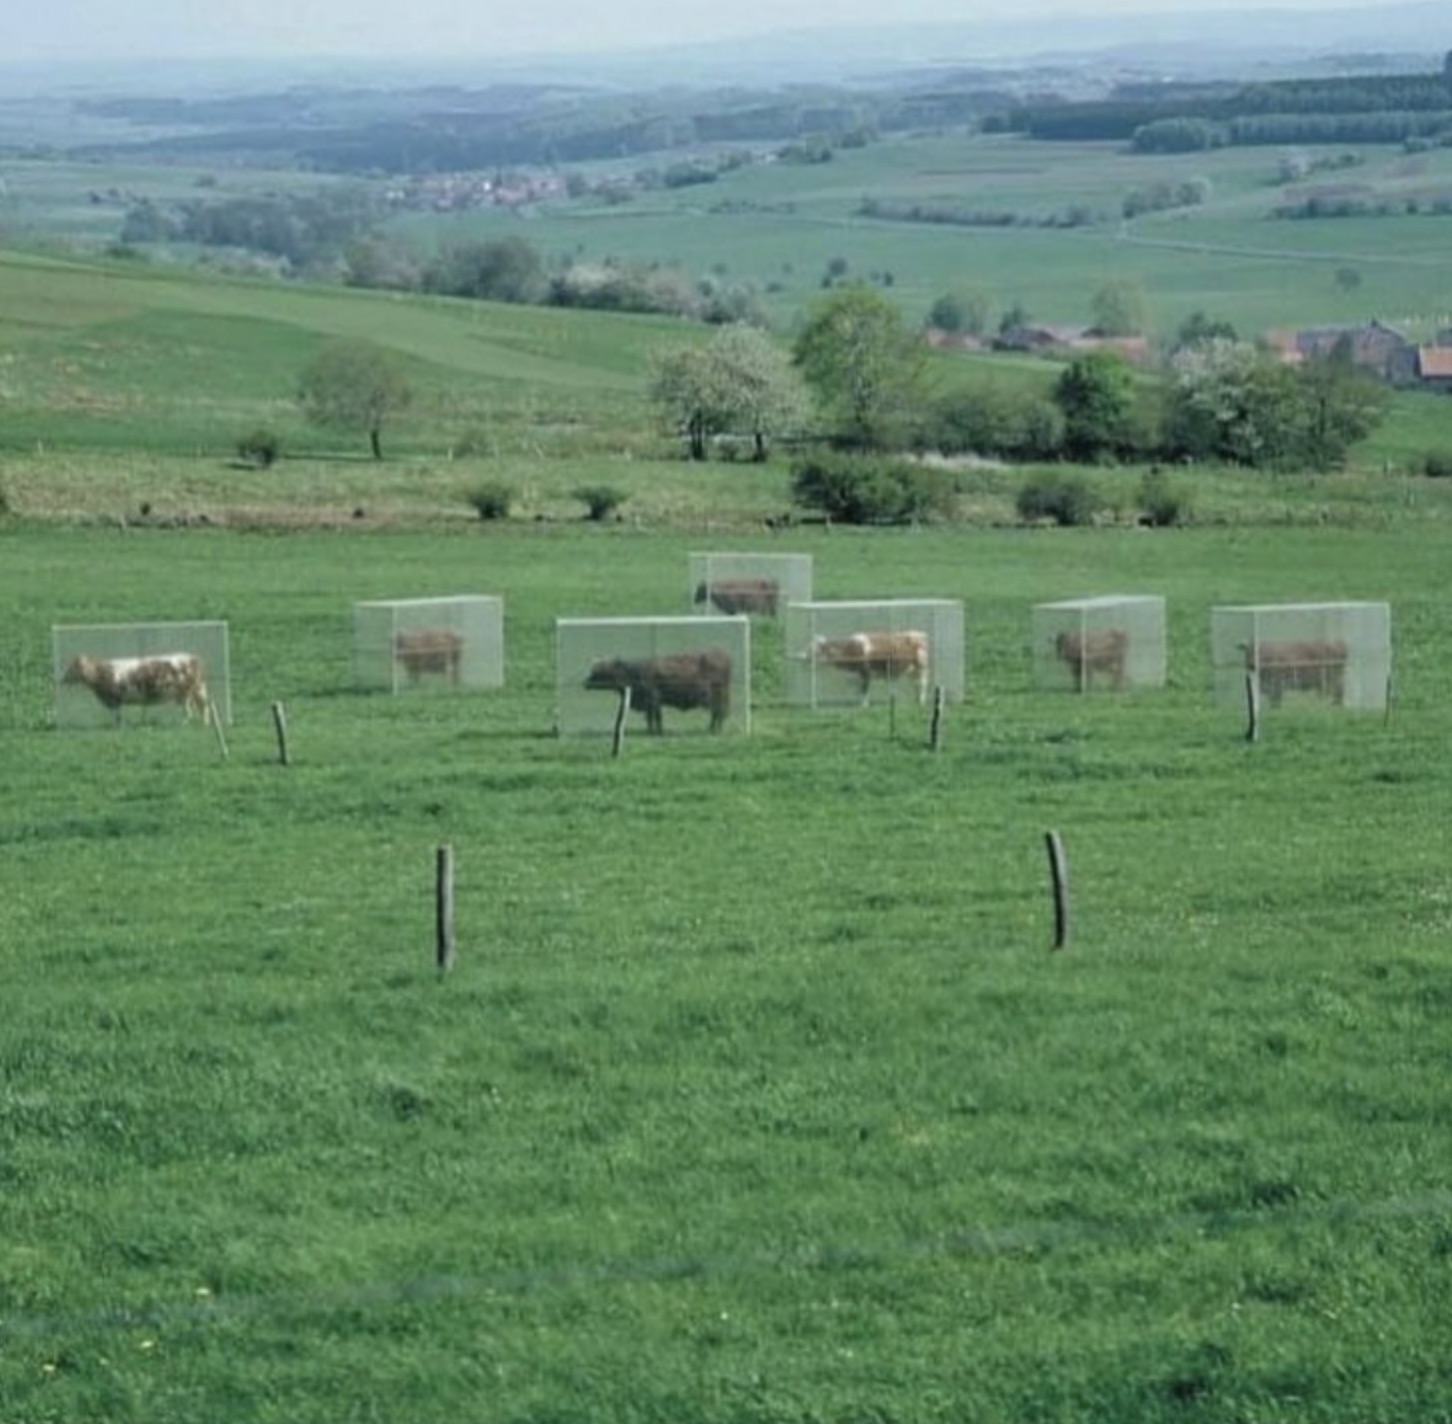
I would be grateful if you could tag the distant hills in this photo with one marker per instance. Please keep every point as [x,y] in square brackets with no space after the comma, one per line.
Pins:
[1243,43]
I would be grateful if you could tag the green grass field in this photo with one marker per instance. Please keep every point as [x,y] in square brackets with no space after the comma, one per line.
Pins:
[780,225]
[757,1092]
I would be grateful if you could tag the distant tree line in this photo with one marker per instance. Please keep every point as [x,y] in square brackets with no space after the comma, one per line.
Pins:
[1188,134]
[1334,203]
[1183,117]
[302,230]
[449,130]
[511,269]
[335,230]
[950,215]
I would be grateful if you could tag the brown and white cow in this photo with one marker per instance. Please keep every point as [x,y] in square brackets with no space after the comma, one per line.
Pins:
[178,678]
[868,655]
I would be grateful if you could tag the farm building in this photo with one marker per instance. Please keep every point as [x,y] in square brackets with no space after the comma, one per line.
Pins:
[155,673]
[684,674]
[429,644]
[1109,643]
[1333,654]
[849,654]
[762,584]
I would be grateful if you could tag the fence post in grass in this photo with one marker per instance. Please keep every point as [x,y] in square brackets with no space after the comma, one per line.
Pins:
[935,731]
[1391,697]
[1059,869]
[617,740]
[279,722]
[1252,706]
[892,716]
[444,908]
[217,728]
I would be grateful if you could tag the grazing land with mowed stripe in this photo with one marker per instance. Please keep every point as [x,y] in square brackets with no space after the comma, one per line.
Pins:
[756,1092]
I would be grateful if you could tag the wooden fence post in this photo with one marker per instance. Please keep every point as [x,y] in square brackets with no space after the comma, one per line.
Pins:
[444,908]
[279,722]
[1252,706]
[1391,697]
[935,732]
[217,728]
[892,716]
[617,741]
[1059,869]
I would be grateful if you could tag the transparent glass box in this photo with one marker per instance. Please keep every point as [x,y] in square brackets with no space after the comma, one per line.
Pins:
[1304,655]
[78,704]
[1108,643]
[855,654]
[429,644]
[760,585]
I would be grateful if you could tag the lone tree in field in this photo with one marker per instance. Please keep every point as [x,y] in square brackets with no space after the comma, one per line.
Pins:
[1119,309]
[354,385]
[865,366]
[739,382]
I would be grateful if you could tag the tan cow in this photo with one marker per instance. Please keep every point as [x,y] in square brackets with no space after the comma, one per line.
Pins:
[429,650]
[745,595]
[1102,650]
[1306,665]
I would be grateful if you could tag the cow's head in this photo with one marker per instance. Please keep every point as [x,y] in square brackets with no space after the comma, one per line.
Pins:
[610,674]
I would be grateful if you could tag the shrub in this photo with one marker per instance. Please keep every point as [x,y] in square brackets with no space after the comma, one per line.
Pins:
[491,500]
[259,447]
[1437,464]
[473,443]
[600,501]
[859,490]
[1161,503]
[996,422]
[1064,498]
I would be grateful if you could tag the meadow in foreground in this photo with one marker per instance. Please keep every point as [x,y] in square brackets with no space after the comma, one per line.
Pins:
[756,1093]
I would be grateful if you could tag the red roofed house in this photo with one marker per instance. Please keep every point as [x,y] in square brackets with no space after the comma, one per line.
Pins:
[1434,367]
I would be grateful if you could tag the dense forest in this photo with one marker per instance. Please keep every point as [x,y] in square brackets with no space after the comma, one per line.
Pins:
[1186,117]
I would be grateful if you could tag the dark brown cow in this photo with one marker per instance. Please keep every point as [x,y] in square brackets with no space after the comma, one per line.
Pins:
[1308,665]
[424,650]
[681,680]
[1104,650]
[745,595]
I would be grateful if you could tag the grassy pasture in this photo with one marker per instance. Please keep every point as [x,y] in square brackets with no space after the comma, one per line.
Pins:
[123,386]
[779,225]
[756,1094]
[114,358]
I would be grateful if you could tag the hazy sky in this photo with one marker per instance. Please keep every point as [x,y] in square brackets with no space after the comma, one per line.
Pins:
[57,30]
